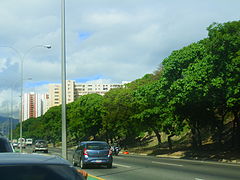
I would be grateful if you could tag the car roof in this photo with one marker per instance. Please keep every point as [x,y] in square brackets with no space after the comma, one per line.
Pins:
[88,142]
[36,159]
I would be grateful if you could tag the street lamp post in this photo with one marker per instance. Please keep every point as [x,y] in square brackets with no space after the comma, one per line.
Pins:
[22,57]
[63,75]
[22,60]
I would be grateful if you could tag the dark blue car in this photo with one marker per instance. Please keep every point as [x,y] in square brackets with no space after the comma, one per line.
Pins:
[93,153]
[19,166]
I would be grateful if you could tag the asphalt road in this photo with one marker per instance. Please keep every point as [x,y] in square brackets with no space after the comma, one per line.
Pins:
[131,167]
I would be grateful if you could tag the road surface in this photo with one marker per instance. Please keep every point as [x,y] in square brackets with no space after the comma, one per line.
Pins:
[133,167]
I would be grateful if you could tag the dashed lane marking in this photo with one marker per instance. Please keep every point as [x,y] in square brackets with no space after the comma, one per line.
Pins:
[122,165]
[169,164]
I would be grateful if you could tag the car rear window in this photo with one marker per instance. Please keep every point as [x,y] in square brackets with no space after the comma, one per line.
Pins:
[38,172]
[41,142]
[97,146]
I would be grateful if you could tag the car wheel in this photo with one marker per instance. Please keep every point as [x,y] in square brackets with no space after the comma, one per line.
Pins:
[46,151]
[74,162]
[109,165]
[82,165]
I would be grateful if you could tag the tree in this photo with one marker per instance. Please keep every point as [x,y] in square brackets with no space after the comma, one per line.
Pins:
[85,117]
[118,124]
[223,45]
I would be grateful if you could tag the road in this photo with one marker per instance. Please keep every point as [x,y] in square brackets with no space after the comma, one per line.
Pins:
[132,167]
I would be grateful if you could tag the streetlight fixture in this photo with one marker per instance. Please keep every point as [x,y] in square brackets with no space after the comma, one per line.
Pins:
[22,57]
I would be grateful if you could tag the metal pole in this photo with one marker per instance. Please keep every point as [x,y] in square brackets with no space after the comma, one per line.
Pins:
[11,136]
[63,73]
[21,104]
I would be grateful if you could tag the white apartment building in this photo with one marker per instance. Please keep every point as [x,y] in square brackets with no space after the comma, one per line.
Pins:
[55,93]
[34,105]
[75,90]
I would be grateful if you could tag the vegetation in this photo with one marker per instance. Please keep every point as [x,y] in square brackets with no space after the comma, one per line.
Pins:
[195,88]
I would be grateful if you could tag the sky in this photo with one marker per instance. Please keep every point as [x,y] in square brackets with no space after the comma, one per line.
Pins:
[106,40]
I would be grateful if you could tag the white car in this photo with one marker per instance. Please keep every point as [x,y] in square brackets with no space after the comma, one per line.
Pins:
[29,142]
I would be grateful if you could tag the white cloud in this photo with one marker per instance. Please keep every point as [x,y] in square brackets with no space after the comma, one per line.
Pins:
[126,40]
[3,64]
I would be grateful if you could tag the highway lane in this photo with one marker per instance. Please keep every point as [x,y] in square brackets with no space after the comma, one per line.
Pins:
[142,168]
[132,167]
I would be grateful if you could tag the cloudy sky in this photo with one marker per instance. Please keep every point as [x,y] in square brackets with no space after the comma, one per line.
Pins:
[114,40]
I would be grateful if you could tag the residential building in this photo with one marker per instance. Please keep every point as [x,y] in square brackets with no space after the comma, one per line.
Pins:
[55,93]
[75,90]
[34,105]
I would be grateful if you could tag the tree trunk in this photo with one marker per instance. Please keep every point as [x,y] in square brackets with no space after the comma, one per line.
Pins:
[194,139]
[170,141]
[158,136]
[199,137]
[238,131]
[234,130]
[220,132]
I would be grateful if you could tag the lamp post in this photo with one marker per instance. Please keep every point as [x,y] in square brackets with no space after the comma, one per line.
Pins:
[63,75]
[22,57]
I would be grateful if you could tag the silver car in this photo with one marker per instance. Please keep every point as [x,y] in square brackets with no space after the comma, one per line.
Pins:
[40,145]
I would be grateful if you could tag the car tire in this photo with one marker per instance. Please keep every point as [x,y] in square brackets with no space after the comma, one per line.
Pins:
[109,166]
[74,162]
[46,151]
[81,164]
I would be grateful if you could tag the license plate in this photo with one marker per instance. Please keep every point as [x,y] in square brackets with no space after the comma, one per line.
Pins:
[98,161]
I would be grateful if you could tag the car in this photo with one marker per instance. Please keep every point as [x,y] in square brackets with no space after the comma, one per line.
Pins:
[5,145]
[25,166]
[40,145]
[14,143]
[29,142]
[21,142]
[93,153]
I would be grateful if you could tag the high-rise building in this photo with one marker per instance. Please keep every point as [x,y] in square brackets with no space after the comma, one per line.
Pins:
[34,105]
[55,93]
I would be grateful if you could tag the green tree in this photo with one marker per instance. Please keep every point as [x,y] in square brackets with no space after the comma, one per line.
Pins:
[85,117]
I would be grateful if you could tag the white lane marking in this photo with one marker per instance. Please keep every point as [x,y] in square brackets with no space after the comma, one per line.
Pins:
[122,165]
[206,162]
[156,162]
[198,179]
[118,157]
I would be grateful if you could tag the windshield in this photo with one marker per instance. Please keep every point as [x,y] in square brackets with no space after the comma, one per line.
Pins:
[41,142]
[97,146]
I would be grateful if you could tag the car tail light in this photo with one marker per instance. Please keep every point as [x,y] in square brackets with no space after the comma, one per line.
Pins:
[85,152]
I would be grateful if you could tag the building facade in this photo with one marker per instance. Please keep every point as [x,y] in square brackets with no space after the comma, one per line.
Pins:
[75,90]
[34,105]
[55,93]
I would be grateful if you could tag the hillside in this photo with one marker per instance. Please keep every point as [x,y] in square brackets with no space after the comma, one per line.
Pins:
[182,149]
[5,124]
